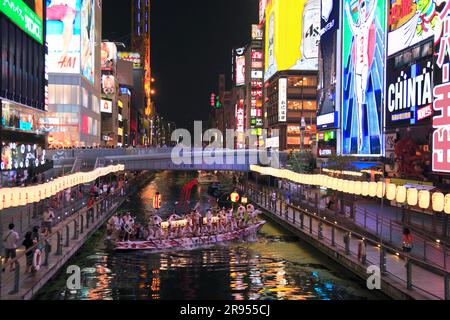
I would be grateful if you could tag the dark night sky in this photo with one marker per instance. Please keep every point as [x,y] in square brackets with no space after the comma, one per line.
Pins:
[191,45]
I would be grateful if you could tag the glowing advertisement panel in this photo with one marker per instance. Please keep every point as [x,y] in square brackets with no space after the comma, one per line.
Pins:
[88,39]
[328,69]
[409,94]
[441,92]
[363,56]
[108,55]
[410,22]
[26,15]
[292,36]
[240,70]
[63,36]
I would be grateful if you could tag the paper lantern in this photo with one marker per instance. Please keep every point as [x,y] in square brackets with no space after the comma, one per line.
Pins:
[351,187]
[447,204]
[424,199]
[358,188]
[23,196]
[341,185]
[15,200]
[401,194]
[335,184]
[391,191]
[381,189]
[8,196]
[234,197]
[412,195]
[372,189]
[3,195]
[365,189]
[438,201]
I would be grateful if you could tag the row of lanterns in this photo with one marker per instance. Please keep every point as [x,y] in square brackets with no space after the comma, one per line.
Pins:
[401,194]
[21,196]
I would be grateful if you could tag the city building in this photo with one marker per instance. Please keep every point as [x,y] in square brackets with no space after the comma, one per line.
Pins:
[290,72]
[117,85]
[74,44]
[140,43]
[23,91]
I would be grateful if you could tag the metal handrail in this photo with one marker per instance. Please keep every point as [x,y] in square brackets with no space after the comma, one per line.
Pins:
[375,241]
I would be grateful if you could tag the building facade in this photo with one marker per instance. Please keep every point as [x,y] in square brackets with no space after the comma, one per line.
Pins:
[23,90]
[74,40]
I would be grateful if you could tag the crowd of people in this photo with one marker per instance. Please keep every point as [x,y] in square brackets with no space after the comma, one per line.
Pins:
[192,224]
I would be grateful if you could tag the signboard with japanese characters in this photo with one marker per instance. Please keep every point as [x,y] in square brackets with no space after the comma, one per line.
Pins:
[441,92]
[282,99]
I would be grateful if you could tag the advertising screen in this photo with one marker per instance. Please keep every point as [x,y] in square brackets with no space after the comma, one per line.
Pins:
[106,106]
[27,15]
[88,39]
[441,92]
[292,36]
[108,85]
[131,56]
[363,56]
[409,94]
[21,156]
[328,47]
[240,70]
[410,22]
[108,55]
[240,118]
[282,99]
[64,36]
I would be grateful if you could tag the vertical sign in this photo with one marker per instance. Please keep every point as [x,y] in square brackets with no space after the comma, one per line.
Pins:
[282,99]
[364,33]
[441,105]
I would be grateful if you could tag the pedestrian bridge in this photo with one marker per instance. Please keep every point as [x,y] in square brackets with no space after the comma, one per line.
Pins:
[170,158]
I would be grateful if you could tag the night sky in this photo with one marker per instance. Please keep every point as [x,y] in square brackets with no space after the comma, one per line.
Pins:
[191,45]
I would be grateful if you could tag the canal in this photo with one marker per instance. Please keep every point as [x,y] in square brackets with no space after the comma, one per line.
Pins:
[275,266]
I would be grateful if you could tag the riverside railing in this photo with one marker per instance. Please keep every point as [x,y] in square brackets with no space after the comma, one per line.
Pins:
[430,280]
[63,239]
[390,231]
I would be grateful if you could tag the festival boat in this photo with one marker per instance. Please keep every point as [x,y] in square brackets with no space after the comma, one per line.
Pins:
[187,243]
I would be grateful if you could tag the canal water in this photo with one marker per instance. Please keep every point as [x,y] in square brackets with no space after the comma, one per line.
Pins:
[274,266]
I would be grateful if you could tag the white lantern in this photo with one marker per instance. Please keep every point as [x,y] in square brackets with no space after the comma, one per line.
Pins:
[372,189]
[412,195]
[391,191]
[401,194]
[424,199]
[365,189]
[358,187]
[381,189]
[438,201]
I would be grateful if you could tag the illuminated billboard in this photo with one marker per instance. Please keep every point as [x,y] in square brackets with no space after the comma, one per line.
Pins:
[108,55]
[108,85]
[441,92]
[328,100]
[106,106]
[292,36]
[27,15]
[131,56]
[240,70]
[63,36]
[88,39]
[363,60]
[410,22]
[282,100]
[409,94]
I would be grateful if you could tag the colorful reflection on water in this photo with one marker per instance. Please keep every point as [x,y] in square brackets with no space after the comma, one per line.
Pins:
[275,265]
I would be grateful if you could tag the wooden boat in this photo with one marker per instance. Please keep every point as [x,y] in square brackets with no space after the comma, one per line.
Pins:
[186,243]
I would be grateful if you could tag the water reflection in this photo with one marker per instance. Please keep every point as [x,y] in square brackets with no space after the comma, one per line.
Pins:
[274,266]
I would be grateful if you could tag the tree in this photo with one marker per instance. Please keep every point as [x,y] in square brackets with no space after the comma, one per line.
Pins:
[302,162]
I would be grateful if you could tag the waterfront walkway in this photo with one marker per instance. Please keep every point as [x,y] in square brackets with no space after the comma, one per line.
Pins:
[66,239]
[372,220]
[403,276]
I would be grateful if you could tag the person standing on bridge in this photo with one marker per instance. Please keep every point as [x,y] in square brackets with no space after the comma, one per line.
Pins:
[407,240]
[10,243]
